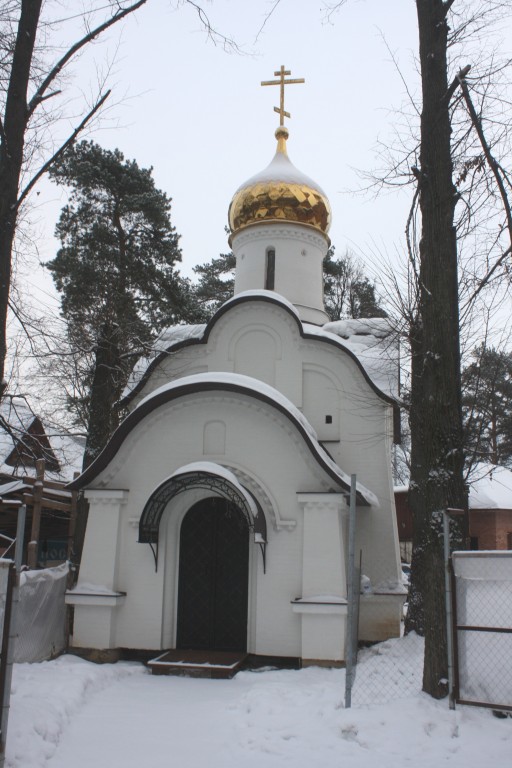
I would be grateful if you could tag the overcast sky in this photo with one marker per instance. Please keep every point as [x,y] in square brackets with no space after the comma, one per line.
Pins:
[199,116]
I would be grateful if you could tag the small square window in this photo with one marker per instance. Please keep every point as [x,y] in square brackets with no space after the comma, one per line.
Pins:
[328,419]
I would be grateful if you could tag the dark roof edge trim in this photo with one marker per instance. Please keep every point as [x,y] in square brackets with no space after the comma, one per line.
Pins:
[225,308]
[136,416]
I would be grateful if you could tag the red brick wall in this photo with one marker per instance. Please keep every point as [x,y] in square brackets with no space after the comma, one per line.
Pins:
[503,528]
[403,516]
[482,525]
[492,527]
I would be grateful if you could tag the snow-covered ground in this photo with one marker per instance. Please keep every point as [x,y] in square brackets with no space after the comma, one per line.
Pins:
[69,713]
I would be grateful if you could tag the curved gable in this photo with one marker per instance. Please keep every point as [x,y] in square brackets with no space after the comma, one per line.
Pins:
[222,382]
[254,296]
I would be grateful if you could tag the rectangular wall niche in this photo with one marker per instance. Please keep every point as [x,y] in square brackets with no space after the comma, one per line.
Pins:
[214,438]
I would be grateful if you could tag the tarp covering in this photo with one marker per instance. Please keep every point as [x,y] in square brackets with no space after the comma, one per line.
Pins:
[41,614]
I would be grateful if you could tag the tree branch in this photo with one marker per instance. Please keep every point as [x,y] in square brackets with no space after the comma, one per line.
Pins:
[59,66]
[33,181]
[489,274]
[456,82]
[267,17]
[493,164]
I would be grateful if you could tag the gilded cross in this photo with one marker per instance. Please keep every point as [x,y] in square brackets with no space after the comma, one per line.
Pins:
[282,74]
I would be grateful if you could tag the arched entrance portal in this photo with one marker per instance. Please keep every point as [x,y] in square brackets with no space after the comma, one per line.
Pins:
[213,577]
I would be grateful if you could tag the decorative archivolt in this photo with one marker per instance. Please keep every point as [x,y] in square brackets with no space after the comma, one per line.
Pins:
[217,484]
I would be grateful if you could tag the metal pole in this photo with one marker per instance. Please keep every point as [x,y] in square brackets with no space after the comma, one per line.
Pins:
[448,601]
[8,649]
[37,495]
[20,537]
[7,656]
[349,660]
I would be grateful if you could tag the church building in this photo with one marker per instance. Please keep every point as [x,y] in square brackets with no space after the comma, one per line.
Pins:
[219,509]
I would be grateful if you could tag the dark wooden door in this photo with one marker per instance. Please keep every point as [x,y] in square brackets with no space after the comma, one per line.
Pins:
[213,578]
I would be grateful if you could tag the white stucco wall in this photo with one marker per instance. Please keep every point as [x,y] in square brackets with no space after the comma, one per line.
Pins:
[299,253]
[146,617]
[270,457]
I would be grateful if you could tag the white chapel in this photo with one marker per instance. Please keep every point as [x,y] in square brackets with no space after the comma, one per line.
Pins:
[219,508]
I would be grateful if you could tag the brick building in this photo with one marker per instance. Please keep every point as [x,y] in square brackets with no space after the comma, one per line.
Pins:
[490,510]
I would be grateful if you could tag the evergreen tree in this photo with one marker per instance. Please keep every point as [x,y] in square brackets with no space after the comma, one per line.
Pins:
[348,293]
[115,271]
[31,81]
[347,290]
[215,286]
[487,407]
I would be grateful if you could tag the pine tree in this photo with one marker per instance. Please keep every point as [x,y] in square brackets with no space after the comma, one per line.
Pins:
[348,292]
[31,81]
[487,407]
[215,285]
[115,272]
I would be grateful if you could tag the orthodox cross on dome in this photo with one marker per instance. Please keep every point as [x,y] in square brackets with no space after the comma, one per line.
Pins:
[282,73]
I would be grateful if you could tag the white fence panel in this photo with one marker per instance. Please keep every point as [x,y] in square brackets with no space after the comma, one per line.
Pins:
[483,627]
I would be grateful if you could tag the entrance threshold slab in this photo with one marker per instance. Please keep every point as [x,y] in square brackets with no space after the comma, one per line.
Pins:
[219,665]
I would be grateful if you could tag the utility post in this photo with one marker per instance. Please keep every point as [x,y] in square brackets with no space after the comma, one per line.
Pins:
[447,515]
[33,544]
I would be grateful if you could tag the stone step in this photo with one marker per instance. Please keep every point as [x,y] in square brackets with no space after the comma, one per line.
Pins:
[219,665]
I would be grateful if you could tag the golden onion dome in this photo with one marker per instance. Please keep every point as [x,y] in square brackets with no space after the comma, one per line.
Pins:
[280,193]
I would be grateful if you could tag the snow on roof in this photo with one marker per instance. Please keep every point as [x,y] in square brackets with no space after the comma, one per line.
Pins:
[226,377]
[69,450]
[281,168]
[369,339]
[17,418]
[12,487]
[271,393]
[163,342]
[178,333]
[372,341]
[276,298]
[490,487]
[380,327]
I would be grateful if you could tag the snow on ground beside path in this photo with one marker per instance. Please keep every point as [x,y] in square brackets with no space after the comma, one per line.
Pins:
[69,713]
[46,697]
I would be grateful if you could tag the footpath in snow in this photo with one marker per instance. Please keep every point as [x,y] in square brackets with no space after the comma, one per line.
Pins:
[69,713]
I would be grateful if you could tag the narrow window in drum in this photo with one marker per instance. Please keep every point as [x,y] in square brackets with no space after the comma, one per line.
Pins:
[270,269]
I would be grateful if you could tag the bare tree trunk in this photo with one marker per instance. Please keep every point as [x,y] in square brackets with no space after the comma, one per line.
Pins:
[436,416]
[13,130]
[105,392]
[12,140]
[103,419]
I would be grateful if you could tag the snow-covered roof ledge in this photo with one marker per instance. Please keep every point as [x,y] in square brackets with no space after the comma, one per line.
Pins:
[262,293]
[177,335]
[270,393]
[372,342]
[234,382]
[164,342]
